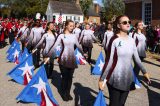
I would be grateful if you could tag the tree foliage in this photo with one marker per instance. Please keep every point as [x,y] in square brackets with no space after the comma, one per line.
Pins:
[85,4]
[112,8]
[23,8]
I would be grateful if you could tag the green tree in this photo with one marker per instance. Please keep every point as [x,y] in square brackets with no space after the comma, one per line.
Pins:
[112,8]
[34,6]
[22,8]
[85,4]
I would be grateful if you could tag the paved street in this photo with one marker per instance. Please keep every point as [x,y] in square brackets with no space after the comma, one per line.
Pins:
[85,85]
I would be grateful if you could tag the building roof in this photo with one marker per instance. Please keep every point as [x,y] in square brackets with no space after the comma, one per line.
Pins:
[131,1]
[65,7]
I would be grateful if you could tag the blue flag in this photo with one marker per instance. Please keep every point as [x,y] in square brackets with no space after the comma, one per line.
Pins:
[136,81]
[38,90]
[97,70]
[79,58]
[14,54]
[23,55]
[100,100]
[23,72]
[13,45]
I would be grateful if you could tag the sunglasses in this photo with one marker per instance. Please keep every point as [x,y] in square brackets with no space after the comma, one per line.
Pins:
[125,22]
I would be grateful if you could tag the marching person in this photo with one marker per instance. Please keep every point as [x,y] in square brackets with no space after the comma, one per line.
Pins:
[102,31]
[107,36]
[67,59]
[33,39]
[46,42]
[11,31]
[140,41]
[77,30]
[86,39]
[2,36]
[118,72]
[23,33]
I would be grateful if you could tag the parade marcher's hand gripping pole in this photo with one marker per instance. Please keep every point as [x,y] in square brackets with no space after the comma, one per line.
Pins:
[34,50]
[45,62]
[104,83]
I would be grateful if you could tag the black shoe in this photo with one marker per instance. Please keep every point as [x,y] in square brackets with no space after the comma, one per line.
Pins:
[65,97]
[70,97]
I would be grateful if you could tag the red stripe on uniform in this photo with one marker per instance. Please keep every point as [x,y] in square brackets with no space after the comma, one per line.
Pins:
[137,41]
[105,42]
[108,53]
[115,58]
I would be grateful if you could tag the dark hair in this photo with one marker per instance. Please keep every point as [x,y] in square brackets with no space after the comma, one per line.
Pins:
[116,22]
[136,25]
[108,22]
[47,26]
[37,23]
[66,24]
[77,23]
[53,31]
[87,24]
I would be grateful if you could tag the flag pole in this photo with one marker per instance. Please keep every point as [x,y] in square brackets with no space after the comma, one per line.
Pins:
[45,62]
[104,82]
[101,48]
[34,51]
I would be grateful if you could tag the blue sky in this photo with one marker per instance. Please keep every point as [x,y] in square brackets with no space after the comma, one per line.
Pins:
[98,1]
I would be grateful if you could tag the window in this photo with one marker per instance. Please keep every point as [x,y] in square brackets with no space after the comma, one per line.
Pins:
[76,18]
[69,17]
[94,20]
[147,12]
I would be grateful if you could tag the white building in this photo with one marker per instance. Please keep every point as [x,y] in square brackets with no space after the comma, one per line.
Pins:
[69,10]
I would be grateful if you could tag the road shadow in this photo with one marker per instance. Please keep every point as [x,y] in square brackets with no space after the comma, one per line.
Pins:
[145,61]
[155,79]
[153,97]
[154,82]
[12,80]
[84,95]
[93,61]
[24,102]
[91,69]
[56,81]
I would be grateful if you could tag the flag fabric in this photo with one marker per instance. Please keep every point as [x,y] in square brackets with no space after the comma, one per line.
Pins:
[136,81]
[38,90]
[14,54]
[100,100]
[23,55]
[60,17]
[23,72]
[79,58]
[14,43]
[97,70]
